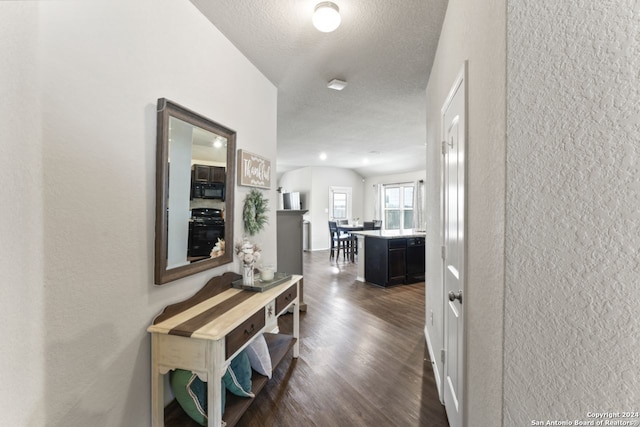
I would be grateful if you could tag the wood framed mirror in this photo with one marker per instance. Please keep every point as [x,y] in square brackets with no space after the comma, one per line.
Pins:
[195,182]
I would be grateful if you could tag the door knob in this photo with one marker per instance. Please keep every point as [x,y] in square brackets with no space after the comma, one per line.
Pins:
[455,296]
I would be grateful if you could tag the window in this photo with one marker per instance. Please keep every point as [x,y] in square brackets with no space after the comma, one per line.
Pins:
[398,206]
[340,202]
[339,205]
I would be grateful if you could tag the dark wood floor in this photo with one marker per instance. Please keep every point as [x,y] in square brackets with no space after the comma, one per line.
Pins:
[363,357]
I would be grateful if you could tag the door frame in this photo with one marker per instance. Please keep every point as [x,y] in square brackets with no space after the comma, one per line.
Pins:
[461,81]
[338,189]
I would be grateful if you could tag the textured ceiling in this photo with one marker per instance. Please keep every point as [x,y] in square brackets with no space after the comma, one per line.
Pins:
[384,49]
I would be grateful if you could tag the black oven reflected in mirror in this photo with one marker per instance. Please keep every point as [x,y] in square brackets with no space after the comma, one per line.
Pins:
[205,228]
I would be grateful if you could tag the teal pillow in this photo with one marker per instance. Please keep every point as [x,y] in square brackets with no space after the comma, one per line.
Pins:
[237,379]
[191,393]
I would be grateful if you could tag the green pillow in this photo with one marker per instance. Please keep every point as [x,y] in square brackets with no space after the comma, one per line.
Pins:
[191,393]
[237,379]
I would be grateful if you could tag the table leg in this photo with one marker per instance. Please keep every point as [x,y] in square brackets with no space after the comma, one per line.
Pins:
[296,325]
[303,305]
[352,248]
[157,387]
[214,383]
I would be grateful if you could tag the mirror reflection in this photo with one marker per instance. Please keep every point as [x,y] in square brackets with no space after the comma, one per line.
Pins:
[200,156]
[195,168]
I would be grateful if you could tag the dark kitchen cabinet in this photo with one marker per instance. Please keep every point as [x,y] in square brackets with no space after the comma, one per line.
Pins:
[217,174]
[415,259]
[397,261]
[208,174]
[394,261]
[201,173]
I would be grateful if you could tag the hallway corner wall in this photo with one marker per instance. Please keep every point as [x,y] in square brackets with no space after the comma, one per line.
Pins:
[573,228]
[473,31]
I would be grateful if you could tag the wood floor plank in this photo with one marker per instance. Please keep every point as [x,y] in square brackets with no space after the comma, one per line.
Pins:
[363,357]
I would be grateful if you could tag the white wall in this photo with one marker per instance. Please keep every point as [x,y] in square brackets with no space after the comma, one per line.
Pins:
[473,31]
[320,179]
[21,220]
[78,174]
[370,189]
[573,228]
[299,180]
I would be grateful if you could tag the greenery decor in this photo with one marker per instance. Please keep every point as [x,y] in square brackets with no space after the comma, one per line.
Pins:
[254,212]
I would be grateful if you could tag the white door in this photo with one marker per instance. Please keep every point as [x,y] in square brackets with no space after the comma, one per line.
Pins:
[453,157]
[340,203]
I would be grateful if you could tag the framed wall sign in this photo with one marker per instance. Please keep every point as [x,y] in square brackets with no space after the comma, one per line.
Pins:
[253,170]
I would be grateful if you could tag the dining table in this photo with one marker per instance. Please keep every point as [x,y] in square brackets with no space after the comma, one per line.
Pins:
[353,241]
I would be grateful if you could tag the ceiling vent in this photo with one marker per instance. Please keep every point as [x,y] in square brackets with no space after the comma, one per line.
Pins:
[336,84]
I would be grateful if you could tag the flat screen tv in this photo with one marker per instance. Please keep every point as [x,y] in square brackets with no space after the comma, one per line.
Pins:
[291,200]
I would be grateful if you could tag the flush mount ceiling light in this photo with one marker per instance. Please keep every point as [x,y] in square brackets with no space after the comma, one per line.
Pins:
[336,84]
[326,17]
[217,142]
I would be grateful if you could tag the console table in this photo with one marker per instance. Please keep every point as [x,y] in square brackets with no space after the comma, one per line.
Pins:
[203,333]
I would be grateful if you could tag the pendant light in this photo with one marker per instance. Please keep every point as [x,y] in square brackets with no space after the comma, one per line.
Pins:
[326,17]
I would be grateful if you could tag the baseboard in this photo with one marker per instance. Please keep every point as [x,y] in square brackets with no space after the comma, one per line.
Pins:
[434,365]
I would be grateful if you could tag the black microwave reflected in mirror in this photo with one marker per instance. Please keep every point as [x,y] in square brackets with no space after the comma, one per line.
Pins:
[195,178]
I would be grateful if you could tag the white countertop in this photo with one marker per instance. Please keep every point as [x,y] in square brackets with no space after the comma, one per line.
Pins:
[390,234]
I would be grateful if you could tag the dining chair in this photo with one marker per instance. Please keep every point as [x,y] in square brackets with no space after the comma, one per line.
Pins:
[338,241]
[350,241]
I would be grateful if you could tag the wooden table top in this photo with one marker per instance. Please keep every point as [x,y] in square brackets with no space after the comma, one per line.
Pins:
[214,311]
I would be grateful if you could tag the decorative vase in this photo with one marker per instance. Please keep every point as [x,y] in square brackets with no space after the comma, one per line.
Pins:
[247,274]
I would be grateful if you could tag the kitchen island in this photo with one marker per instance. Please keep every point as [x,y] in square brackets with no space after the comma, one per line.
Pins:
[391,257]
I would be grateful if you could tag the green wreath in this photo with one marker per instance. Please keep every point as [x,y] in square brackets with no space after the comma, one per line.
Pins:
[254,212]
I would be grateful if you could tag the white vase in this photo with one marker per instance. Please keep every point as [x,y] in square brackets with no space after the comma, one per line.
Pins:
[247,274]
